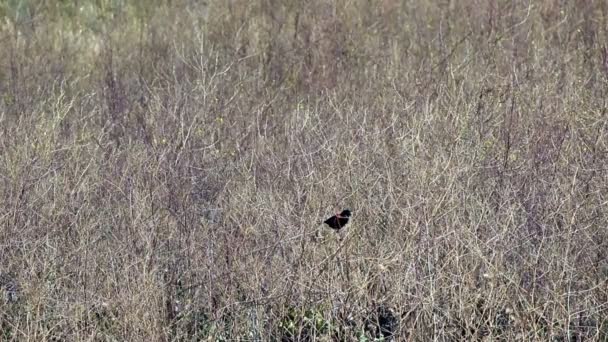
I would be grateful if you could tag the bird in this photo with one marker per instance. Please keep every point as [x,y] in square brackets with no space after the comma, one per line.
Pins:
[339,220]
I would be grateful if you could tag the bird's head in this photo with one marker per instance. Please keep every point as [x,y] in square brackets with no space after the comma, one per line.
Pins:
[345,213]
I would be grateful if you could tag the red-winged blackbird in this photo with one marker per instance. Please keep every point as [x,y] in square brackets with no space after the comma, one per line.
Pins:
[339,220]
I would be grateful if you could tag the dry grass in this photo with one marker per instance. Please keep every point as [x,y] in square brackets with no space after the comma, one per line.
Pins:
[164,166]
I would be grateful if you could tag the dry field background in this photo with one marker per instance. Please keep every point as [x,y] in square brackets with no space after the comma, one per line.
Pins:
[165,167]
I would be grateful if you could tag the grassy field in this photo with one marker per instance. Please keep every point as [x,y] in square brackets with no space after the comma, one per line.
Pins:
[165,167]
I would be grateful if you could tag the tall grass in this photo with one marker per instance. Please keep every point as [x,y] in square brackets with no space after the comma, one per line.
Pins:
[165,167]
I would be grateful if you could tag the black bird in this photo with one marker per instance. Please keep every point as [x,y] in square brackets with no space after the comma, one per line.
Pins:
[339,220]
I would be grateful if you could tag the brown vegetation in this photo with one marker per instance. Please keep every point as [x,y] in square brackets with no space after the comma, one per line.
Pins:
[165,167]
